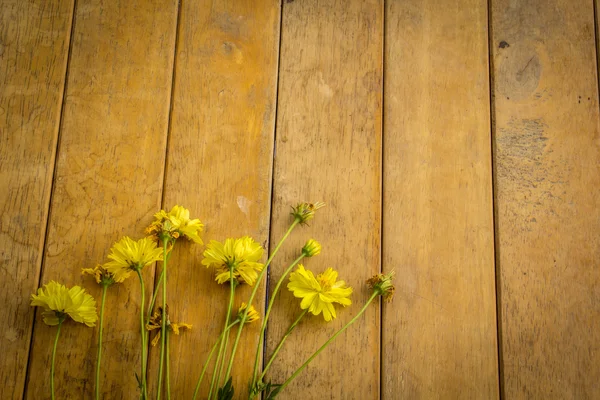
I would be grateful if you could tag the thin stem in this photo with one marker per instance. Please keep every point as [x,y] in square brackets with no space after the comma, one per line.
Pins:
[221,357]
[261,338]
[280,344]
[164,318]
[99,357]
[60,321]
[254,291]
[143,333]
[210,357]
[168,370]
[331,339]
[153,299]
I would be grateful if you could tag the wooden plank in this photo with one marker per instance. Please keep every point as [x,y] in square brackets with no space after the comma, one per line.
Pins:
[548,205]
[108,183]
[329,149]
[34,45]
[219,166]
[439,339]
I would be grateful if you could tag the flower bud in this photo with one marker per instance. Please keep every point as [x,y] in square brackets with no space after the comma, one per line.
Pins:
[311,248]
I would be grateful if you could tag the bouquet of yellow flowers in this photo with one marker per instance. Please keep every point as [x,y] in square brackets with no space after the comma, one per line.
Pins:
[235,261]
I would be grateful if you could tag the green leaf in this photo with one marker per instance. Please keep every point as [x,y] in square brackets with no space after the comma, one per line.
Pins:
[226,392]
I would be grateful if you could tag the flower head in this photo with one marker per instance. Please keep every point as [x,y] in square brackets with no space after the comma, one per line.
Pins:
[382,283]
[174,224]
[252,313]
[237,255]
[318,294]
[311,248]
[128,255]
[155,322]
[59,302]
[100,274]
[304,212]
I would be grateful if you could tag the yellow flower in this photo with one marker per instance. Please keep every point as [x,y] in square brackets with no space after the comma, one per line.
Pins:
[155,322]
[176,223]
[239,255]
[382,283]
[252,313]
[128,255]
[100,274]
[58,302]
[306,211]
[311,248]
[318,294]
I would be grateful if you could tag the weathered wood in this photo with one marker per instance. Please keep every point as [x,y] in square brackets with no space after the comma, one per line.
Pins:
[34,45]
[439,336]
[219,167]
[329,149]
[548,205]
[108,183]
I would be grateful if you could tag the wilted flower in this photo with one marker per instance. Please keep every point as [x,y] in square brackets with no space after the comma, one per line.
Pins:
[100,274]
[128,255]
[238,255]
[155,322]
[58,302]
[318,294]
[304,212]
[382,283]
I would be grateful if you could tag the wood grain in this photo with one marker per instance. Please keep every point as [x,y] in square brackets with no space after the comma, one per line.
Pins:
[439,336]
[548,205]
[329,149]
[34,45]
[219,166]
[108,183]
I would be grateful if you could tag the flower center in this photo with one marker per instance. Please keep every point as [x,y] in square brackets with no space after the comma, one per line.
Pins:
[325,283]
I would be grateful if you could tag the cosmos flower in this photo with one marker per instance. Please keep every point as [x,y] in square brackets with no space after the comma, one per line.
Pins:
[128,255]
[318,294]
[59,302]
[238,255]
[252,313]
[174,224]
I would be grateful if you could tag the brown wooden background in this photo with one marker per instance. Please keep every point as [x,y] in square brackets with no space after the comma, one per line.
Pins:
[455,141]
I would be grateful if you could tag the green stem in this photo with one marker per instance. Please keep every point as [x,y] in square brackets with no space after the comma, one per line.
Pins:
[143,333]
[221,356]
[254,291]
[164,318]
[60,321]
[153,300]
[331,339]
[266,318]
[280,344]
[168,371]
[104,286]
[210,357]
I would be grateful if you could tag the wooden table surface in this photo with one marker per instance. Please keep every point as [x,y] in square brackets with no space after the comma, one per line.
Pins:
[455,142]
